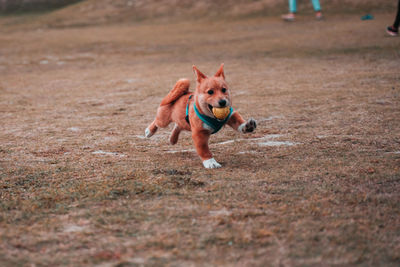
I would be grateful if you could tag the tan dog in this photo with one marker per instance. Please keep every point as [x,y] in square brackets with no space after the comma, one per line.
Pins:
[197,112]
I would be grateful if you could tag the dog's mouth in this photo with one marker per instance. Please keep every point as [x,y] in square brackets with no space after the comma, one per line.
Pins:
[210,107]
[219,113]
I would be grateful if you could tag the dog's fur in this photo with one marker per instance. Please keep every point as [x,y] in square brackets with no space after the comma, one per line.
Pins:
[173,109]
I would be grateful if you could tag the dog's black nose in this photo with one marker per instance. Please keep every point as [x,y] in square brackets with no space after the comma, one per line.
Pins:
[222,103]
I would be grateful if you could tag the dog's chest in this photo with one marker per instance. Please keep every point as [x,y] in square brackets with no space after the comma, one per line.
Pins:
[207,127]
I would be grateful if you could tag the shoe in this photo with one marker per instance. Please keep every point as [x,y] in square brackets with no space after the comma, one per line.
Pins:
[288,17]
[392,31]
[319,16]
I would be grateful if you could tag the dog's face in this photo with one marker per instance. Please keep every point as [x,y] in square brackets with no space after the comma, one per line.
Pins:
[212,92]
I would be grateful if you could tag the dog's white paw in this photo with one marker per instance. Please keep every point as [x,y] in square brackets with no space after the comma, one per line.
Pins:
[148,133]
[211,164]
[248,126]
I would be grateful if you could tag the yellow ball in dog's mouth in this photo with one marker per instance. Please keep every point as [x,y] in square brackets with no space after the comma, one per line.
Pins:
[221,113]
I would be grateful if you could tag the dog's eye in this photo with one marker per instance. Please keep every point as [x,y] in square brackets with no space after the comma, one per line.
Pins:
[210,92]
[223,90]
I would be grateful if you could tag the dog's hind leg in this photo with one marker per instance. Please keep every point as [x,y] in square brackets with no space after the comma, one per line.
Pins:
[151,129]
[162,120]
[175,135]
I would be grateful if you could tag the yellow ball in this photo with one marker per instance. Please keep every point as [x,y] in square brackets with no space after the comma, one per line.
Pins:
[221,113]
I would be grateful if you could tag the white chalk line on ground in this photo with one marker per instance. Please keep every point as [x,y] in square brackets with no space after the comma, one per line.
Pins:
[270,118]
[261,141]
[72,228]
[277,143]
[107,153]
[74,129]
[180,151]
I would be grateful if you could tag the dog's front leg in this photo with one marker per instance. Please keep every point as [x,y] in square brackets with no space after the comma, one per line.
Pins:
[238,123]
[200,139]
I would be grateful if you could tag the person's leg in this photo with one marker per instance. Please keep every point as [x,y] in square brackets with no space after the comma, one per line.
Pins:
[292,10]
[397,20]
[317,9]
[316,5]
[394,29]
[292,6]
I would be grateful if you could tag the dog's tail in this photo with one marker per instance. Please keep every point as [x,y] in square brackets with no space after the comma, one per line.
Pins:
[181,88]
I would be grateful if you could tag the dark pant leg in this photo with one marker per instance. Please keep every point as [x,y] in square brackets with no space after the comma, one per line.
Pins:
[397,21]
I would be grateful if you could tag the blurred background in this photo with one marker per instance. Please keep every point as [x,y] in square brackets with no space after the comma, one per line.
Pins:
[95,11]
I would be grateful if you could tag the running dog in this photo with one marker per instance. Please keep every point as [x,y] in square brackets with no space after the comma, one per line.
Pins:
[203,112]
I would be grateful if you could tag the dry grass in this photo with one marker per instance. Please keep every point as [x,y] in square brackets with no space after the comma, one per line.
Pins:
[80,186]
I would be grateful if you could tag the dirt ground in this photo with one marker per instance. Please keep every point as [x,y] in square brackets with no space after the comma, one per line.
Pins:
[317,184]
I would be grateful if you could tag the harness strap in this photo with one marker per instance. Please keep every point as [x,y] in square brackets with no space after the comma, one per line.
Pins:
[187,110]
[214,123]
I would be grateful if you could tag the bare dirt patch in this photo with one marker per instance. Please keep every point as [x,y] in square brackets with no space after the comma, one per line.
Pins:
[73,100]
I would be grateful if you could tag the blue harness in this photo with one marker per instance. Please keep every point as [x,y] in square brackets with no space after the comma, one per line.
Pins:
[214,123]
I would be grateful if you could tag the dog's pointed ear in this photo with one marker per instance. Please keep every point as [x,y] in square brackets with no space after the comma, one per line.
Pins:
[220,72]
[199,75]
